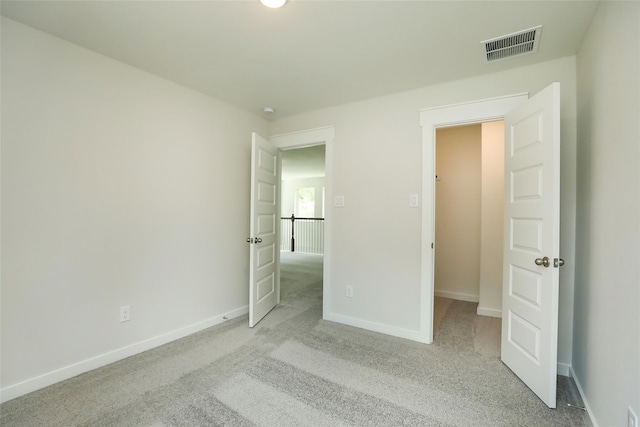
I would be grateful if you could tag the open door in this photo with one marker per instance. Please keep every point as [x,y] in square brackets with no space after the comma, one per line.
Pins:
[264,280]
[531,245]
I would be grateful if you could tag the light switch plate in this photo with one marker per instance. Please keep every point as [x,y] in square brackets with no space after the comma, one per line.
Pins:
[413,200]
[338,201]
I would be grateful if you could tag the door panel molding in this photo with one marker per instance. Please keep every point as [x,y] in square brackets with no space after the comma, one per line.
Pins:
[264,279]
[530,330]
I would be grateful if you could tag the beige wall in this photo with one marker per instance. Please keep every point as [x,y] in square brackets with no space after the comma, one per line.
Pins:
[458,194]
[607,318]
[376,164]
[469,214]
[492,219]
[118,188]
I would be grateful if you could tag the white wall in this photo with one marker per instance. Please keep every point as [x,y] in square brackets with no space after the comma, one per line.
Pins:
[376,162]
[458,192]
[118,188]
[491,219]
[103,165]
[607,318]
[288,192]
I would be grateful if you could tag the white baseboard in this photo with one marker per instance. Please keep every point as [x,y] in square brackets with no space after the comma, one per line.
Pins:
[564,369]
[409,334]
[584,399]
[491,312]
[457,295]
[50,378]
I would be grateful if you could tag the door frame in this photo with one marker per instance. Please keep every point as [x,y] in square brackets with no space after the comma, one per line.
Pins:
[431,119]
[308,138]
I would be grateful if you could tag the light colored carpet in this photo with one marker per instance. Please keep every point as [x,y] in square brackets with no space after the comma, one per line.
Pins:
[295,369]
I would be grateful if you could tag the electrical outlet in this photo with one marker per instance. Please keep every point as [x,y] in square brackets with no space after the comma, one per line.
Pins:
[125,313]
[349,292]
[632,418]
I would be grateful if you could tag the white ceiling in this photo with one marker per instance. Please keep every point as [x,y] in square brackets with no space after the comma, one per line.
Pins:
[309,54]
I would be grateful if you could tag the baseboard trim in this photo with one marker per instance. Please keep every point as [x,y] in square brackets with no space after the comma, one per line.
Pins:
[457,296]
[583,397]
[491,312]
[410,334]
[564,369]
[70,371]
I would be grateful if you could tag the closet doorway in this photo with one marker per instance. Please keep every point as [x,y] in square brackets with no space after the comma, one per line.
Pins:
[469,225]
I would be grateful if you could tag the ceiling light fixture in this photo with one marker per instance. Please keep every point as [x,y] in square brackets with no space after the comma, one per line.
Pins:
[273,4]
[269,110]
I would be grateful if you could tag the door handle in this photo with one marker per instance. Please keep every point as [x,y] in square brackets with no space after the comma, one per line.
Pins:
[258,240]
[252,240]
[543,261]
[558,262]
[249,240]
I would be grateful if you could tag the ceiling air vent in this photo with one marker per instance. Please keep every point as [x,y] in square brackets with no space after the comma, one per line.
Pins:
[513,44]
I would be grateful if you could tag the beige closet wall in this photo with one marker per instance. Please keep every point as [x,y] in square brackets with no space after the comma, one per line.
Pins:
[458,191]
[491,222]
[469,214]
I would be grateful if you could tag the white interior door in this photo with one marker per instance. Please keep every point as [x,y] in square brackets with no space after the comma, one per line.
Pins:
[264,280]
[532,230]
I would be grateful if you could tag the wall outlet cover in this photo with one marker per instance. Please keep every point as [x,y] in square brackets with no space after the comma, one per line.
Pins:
[125,313]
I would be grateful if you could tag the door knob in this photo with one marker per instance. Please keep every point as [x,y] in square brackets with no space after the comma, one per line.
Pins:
[249,240]
[558,262]
[543,261]
[258,240]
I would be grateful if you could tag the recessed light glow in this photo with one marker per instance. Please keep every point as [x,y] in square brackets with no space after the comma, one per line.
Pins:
[274,4]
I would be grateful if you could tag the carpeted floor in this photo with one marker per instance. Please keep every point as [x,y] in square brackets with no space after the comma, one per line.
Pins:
[295,369]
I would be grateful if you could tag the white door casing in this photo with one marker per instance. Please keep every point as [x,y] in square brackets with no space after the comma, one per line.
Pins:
[532,229]
[264,280]
[431,119]
[478,112]
[307,138]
